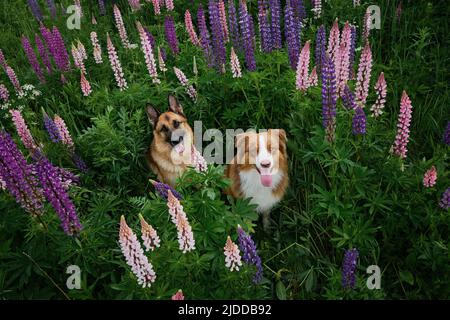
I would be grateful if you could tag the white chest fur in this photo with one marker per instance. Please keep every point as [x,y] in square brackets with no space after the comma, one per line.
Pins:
[252,188]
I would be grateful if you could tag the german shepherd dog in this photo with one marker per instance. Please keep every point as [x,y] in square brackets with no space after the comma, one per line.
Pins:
[169,154]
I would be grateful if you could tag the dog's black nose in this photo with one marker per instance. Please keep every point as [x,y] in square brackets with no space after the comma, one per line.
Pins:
[265,164]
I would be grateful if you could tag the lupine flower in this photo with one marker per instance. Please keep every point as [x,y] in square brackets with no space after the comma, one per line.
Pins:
[32,59]
[223,19]
[356,3]
[348,98]
[23,131]
[51,128]
[366,26]
[218,43]
[85,85]
[233,23]
[156,7]
[429,178]
[380,89]
[190,29]
[51,6]
[78,162]
[264,26]
[169,5]
[14,80]
[447,134]
[162,189]
[445,200]
[150,36]
[320,47]
[18,176]
[317,8]
[134,255]
[275,12]
[313,79]
[148,53]
[149,236]
[204,36]
[363,78]
[404,120]
[171,36]
[351,72]
[51,44]
[198,161]
[78,59]
[79,8]
[82,50]
[178,296]
[97,50]
[2,60]
[135,5]
[63,79]
[2,184]
[62,57]
[101,6]
[186,239]
[344,58]
[333,44]
[328,97]
[4,94]
[43,53]
[66,138]
[349,268]
[184,82]
[292,39]
[249,254]
[161,63]
[359,122]
[235,64]
[302,77]
[115,64]
[175,207]
[232,255]
[93,20]
[246,30]
[67,178]
[121,27]
[35,9]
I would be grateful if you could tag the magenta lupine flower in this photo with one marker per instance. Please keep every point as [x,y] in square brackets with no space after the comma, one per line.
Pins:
[264,26]
[445,200]
[223,19]
[184,82]
[161,63]
[64,133]
[247,39]
[32,59]
[148,54]
[232,255]
[249,253]
[351,72]
[447,134]
[348,98]
[18,176]
[235,64]
[4,94]
[218,43]
[23,131]
[121,28]
[52,7]
[178,296]
[156,7]
[134,255]
[171,36]
[169,5]
[49,41]
[204,36]
[62,57]
[429,178]
[2,60]
[292,38]
[233,24]
[190,29]
[78,59]
[43,53]
[317,8]
[275,25]
[85,85]
[363,77]
[333,43]
[115,64]
[97,50]
[178,216]
[198,162]
[344,58]
[404,121]
[135,5]
[14,80]
[149,236]
[349,267]
[51,128]
[313,79]
[359,122]
[320,47]
[163,190]
[35,9]
[328,97]
[302,76]
[380,89]
[366,26]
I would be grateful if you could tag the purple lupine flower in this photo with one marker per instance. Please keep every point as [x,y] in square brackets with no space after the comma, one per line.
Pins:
[79,162]
[48,38]
[445,200]
[163,190]
[264,26]
[35,9]
[219,50]
[18,176]
[151,38]
[204,36]
[163,54]
[43,53]
[351,73]
[292,39]
[101,6]
[359,122]
[51,128]
[275,12]
[51,6]
[447,134]
[246,30]
[32,59]
[62,59]
[329,97]
[14,80]
[320,46]
[171,35]
[349,268]
[233,25]
[249,254]
[348,98]
[56,194]
[67,178]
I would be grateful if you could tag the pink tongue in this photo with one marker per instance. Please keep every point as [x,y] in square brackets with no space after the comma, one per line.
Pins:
[179,148]
[266,180]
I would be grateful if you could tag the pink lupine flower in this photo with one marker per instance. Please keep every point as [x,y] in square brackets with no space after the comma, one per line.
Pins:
[93,20]
[121,27]
[223,19]
[380,88]
[198,162]
[186,239]
[156,7]
[78,5]
[2,60]
[85,85]
[2,184]
[175,207]
[149,236]
[235,64]
[404,121]
[169,5]
[232,255]
[429,178]
[135,5]
[81,50]
[4,94]
[78,59]
[333,43]
[313,79]
[161,63]
[363,77]
[23,131]
[148,53]
[303,68]
[178,296]
[63,131]
[63,79]
[14,80]
[134,255]
[97,50]
[342,71]
[192,93]
[366,26]
[190,29]
[115,64]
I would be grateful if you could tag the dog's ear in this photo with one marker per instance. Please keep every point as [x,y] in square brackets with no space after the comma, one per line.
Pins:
[175,106]
[152,114]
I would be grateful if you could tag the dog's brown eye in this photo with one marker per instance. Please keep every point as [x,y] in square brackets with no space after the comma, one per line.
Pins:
[164,128]
[176,123]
